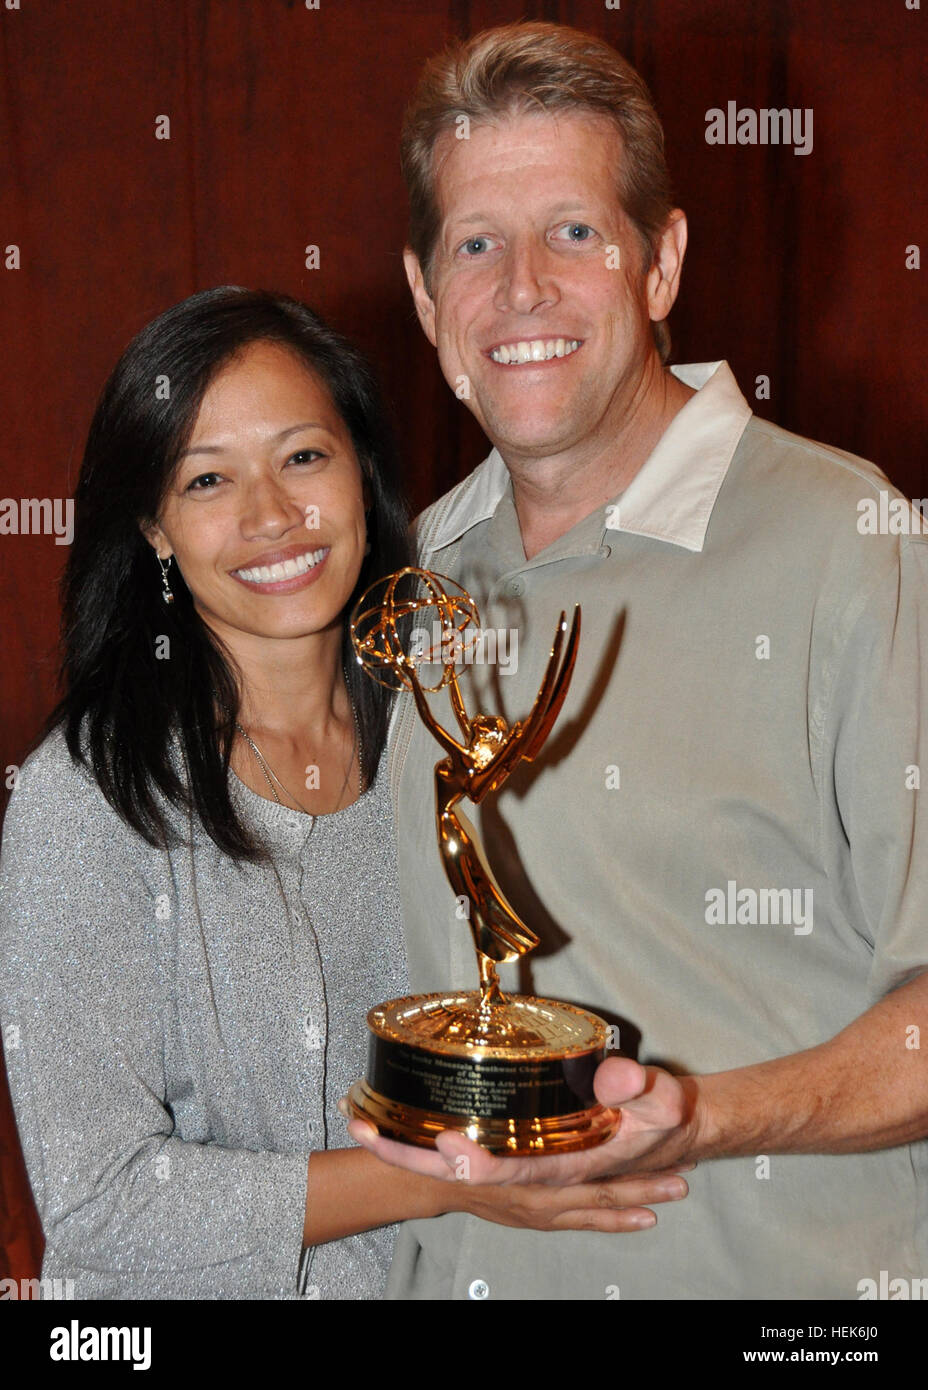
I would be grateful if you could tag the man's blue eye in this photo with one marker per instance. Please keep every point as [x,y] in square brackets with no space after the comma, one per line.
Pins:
[579,227]
[475,244]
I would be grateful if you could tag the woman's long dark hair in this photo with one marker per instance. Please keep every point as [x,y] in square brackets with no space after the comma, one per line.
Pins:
[123,703]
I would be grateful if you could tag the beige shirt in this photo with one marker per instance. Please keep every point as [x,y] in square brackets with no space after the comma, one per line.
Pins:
[721,845]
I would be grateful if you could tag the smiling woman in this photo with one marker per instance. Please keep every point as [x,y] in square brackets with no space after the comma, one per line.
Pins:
[271,541]
[268,442]
[157,929]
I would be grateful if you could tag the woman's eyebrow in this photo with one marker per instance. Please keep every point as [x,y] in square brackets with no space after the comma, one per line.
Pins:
[274,439]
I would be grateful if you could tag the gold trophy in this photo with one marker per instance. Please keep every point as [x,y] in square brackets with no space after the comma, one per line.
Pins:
[514,1074]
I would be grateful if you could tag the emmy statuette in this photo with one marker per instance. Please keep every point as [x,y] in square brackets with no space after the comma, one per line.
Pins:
[515,1074]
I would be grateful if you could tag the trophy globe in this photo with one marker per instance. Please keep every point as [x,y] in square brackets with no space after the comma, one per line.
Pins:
[389,616]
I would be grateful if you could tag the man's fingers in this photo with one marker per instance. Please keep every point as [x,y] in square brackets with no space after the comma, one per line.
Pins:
[648,1098]
[468,1161]
[618,1080]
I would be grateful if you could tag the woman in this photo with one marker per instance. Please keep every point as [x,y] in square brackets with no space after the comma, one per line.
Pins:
[198,895]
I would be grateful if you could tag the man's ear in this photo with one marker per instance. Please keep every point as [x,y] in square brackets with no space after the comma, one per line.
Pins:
[667,266]
[425,308]
[156,539]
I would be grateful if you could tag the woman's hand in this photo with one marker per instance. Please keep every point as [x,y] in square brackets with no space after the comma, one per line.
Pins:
[609,1204]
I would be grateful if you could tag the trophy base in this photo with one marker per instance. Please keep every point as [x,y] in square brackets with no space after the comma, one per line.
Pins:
[516,1076]
[561,1134]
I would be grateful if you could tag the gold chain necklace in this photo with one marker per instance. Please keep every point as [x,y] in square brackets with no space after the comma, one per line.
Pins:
[271,776]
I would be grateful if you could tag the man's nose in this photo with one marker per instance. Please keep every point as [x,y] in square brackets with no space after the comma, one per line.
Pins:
[527,278]
[268,509]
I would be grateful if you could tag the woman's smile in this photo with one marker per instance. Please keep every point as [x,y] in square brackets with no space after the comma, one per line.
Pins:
[283,572]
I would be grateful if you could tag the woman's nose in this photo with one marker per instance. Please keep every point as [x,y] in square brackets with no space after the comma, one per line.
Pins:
[269,509]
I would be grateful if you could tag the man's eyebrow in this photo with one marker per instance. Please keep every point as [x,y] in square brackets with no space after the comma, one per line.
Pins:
[568,204]
[275,439]
[472,217]
[476,217]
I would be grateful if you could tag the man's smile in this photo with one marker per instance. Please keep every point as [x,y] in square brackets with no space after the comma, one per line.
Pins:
[533,350]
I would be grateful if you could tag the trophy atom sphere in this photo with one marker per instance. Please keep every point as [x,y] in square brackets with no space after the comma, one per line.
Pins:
[409,593]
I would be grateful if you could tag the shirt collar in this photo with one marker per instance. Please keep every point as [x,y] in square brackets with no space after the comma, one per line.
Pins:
[672,495]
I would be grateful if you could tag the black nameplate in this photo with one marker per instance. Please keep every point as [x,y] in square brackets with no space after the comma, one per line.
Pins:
[489,1089]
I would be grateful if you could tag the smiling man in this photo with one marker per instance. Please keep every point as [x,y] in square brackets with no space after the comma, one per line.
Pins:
[744,722]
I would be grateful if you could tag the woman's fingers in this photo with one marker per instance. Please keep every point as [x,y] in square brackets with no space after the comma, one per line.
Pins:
[631,1196]
[639,1191]
[415,1160]
[612,1204]
[605,1219]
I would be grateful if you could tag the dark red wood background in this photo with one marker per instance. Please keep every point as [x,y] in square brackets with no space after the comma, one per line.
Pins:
[284,125]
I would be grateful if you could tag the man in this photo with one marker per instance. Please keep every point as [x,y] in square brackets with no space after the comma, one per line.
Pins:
[721,845]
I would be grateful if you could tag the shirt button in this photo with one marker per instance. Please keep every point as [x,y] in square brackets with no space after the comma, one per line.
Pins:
[479,1289]
[516,587]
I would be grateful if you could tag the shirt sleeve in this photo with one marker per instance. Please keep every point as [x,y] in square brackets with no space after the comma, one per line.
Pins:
[876,747]
[126,1205]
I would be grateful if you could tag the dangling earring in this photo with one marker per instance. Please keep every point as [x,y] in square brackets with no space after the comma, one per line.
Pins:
[167,595]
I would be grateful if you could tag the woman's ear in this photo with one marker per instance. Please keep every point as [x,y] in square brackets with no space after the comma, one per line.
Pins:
[156,539]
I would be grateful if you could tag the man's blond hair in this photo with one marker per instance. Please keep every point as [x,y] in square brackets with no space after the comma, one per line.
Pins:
[519,68]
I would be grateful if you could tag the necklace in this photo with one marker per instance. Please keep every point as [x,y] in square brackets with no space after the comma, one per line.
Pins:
[271,776]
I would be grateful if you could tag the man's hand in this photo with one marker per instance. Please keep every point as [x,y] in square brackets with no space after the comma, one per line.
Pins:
[657,1128]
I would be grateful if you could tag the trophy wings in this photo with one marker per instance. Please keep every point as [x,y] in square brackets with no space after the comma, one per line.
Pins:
[526,737]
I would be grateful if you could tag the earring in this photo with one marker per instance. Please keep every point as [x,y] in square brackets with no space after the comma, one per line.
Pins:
[167,595]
